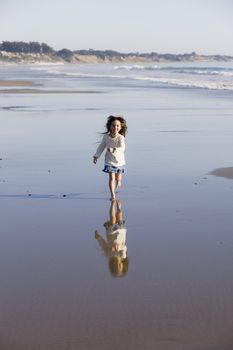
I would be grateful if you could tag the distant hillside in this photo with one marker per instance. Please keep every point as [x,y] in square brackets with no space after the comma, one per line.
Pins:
[32,52]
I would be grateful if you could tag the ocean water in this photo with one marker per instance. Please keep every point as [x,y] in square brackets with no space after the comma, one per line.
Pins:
[58,287]
[206,75]
[200,75]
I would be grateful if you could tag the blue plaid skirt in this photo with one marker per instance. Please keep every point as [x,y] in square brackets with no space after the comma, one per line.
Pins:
[113,169]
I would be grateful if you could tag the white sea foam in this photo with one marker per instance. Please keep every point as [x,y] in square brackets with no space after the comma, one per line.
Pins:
[44,66]
[47,63]
[227,73]
[210,85]
[87,75]
[204,84]
[179,70]
[56,72]
[136,67]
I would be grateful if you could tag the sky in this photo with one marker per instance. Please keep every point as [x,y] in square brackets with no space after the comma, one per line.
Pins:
[163,26]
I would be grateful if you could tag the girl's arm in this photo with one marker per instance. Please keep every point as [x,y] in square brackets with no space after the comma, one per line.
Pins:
[102,243]
[100,149]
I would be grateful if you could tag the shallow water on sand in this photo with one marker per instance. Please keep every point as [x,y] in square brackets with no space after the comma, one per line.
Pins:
[57,289]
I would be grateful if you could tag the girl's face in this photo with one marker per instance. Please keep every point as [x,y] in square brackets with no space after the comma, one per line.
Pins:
[115,127]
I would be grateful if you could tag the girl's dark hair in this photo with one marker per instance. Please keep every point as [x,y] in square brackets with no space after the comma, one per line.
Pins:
[113,266]
[111,119]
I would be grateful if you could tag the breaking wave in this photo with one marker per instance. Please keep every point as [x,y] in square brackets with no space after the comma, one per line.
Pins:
[228,72]
[200,76]
[189,83]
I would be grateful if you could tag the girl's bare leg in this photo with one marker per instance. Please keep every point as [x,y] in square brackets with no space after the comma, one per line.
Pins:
[118,180]
[112,179]
[112,214]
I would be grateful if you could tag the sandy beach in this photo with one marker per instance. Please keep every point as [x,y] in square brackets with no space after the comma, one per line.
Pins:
[22,90]
[16,83]
[57,289]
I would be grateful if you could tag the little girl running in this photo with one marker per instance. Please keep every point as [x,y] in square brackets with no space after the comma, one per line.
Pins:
[114,143]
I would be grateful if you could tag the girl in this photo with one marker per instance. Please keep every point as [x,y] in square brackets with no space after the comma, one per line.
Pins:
[114,143]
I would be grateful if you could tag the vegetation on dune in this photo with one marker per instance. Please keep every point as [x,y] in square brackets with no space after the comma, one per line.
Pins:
[11,50]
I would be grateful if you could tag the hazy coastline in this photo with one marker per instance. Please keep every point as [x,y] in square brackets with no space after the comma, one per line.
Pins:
[34,52]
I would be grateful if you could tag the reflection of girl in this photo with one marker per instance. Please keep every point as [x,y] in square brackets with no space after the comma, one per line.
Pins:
[114,246]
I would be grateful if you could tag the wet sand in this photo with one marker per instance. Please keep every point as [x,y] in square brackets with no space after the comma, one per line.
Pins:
[20,84]
[57,287]
[16,83]
[38,91]
[223,172]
